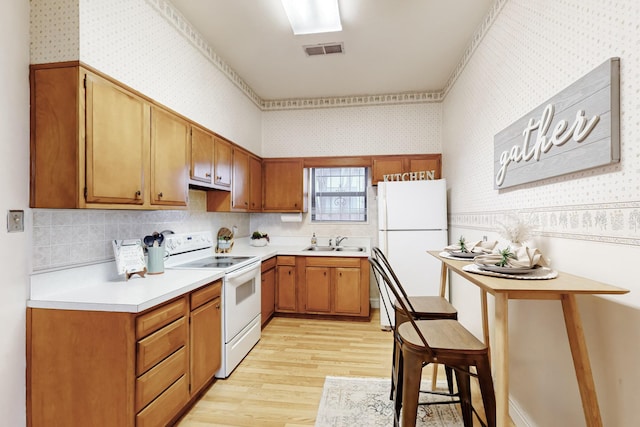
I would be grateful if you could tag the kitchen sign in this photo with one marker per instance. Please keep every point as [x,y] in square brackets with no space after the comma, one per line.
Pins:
[410,176]
[577,129]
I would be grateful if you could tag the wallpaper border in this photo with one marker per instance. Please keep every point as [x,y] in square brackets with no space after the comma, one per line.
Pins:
[617,223]
[169,12]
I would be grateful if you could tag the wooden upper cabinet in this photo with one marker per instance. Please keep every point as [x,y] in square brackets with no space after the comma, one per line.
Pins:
[284,185]
[117,140]
[406,167]
[169,140]
[201,166]
[240,180]
[255,184]
[94,144]
[222,159]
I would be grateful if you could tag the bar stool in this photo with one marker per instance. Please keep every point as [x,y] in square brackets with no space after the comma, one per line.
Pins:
[420,307]
[443,341]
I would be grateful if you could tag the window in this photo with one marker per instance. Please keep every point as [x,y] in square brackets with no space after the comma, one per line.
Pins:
[339,194]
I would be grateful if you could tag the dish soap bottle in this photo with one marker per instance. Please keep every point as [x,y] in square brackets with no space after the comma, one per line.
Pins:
[314,240]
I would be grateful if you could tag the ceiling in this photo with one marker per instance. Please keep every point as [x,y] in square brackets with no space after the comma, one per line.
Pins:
[390,46]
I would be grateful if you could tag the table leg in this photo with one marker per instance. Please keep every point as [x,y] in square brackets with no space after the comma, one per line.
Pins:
[581,362]
[501,359]
[443,289]
[485,320]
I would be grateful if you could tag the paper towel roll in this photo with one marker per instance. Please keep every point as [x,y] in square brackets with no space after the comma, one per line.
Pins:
[291,217]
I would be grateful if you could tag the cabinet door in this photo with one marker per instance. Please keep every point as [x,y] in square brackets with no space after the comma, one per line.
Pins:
[222,164]
[382,167]
[240,182]
[169,139]
[255,184]
[347,292]
[268,294]
[201,156]
[206,343]
[117,141]
[425,168]
[283,186]
[286,288]
[318,288]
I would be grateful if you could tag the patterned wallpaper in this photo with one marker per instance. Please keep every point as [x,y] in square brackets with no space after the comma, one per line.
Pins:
[378,129]
[530,53]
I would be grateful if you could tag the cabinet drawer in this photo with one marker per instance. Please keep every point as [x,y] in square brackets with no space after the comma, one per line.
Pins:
[166,406]
[268,264]
[286,260]
[206,294]
[318,261]
[160,377]
[161,344]
[156,319]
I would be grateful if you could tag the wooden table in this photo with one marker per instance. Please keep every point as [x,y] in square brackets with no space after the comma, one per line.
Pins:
[563,288]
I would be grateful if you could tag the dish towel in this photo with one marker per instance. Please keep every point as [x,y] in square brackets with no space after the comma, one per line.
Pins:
[524,257]
[479,247]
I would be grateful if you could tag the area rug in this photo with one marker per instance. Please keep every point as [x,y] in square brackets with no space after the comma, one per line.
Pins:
[349,402]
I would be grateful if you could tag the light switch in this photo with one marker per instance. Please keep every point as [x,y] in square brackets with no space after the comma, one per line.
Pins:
[15,221]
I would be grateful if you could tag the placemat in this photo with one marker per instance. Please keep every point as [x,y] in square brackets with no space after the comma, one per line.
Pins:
[542,273]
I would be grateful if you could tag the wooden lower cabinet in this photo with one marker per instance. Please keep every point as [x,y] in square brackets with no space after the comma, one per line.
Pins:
[336,286]
[286,289]
[103,368]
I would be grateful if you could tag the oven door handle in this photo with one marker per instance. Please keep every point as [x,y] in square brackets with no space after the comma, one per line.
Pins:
[248,270]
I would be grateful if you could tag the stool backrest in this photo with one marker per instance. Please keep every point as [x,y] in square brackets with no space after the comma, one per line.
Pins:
[379,271]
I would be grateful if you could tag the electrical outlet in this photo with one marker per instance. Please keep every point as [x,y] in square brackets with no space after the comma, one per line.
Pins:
[15,221]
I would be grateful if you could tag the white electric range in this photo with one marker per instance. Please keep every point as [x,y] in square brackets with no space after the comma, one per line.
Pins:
[241,301]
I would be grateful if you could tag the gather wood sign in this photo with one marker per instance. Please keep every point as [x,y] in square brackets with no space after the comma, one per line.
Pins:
[577,129]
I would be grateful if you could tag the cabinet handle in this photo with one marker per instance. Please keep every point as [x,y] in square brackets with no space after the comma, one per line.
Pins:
[160,195]
[218,306]
[207,175]
[138,194]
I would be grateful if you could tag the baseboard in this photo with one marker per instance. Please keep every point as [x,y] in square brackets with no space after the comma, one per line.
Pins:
[518,416]
[375,303]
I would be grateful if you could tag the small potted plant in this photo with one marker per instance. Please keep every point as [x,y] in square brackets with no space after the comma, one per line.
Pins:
[224,242]
[259,239]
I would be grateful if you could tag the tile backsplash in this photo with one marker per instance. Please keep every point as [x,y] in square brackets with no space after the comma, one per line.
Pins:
[65,238]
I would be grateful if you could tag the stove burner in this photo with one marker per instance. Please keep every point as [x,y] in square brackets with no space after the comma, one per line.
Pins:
[215,262]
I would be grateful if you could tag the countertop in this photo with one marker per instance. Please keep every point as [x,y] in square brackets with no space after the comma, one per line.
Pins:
[98,287]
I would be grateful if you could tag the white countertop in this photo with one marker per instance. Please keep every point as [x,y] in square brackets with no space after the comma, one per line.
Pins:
[98,287]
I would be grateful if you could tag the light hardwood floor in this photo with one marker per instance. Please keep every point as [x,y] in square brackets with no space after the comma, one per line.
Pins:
[280,382]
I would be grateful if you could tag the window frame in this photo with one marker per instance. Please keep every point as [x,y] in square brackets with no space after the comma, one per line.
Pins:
[313,194]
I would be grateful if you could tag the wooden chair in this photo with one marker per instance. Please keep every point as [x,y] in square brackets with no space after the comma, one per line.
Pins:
[420,307]
[443,341]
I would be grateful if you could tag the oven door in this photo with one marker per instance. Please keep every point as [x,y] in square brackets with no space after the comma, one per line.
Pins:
[241,299]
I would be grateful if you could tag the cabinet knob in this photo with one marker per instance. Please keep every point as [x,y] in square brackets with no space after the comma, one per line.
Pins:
[207,175]
[218,306]
[138,194]
[160,195]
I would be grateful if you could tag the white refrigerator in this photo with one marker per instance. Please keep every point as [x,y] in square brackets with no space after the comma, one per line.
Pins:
[412,219]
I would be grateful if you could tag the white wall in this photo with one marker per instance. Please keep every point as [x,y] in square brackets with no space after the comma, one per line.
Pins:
[14,174]
[586,221]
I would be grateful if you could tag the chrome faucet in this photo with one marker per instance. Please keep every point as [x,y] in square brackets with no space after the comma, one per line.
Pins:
[339,240]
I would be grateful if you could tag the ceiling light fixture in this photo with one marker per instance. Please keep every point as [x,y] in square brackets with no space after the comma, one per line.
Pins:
[313,16]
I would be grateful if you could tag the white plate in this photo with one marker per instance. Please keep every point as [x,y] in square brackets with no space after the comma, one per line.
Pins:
[459,254]
[506,270]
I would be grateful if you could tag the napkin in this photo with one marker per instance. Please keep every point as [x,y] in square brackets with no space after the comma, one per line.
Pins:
[525,257]
[478,247]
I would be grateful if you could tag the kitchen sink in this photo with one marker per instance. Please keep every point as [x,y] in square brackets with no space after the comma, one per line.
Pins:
[350,249]
[335,248]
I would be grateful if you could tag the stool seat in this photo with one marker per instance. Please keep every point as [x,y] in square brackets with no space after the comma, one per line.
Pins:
[442,335]
[430,307]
